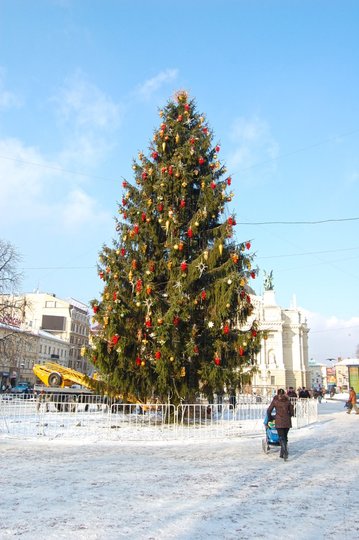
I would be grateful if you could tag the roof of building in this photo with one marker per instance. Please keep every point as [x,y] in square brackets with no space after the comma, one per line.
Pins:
[348,362]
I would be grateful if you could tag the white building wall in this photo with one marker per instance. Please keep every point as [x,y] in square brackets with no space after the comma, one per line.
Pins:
[283,359]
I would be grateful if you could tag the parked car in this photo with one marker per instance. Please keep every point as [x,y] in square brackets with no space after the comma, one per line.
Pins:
[22,388]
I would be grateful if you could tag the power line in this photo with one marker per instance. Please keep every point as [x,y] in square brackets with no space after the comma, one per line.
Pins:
[308,253]
[58,169]
[334,329]
[309,147]
[59,267]
[333,220]
[79,173]
[258,257]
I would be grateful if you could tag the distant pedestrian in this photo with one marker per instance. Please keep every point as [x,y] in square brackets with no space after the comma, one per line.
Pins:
[291,393]
[304,393]
[283,419]
[353,401]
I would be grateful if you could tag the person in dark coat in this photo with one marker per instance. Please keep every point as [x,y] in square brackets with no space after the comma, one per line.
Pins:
[304,393]
[283,419]
[291,392]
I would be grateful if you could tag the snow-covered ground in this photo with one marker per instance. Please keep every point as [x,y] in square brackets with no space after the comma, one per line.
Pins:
[221,489]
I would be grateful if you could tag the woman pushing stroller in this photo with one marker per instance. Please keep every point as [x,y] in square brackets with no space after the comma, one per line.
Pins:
[283,419]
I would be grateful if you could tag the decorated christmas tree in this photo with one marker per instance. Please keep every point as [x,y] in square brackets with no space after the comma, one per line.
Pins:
[174,318]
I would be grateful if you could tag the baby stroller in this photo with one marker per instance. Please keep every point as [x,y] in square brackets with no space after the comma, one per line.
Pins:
[272,437]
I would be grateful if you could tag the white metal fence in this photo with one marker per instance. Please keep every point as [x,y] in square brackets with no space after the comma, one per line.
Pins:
[95,416]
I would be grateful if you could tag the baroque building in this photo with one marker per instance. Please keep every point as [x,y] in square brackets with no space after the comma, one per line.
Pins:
[283,358]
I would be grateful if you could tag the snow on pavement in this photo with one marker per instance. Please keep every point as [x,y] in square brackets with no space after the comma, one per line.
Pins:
[229,489]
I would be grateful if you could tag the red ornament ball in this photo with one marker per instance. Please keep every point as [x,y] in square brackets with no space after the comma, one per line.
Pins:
[158,355]
[139,285]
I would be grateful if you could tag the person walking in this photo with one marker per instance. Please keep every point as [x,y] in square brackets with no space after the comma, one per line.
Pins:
[283,419]
[353,400]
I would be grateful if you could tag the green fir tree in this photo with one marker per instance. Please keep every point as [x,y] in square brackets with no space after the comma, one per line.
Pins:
[170,323]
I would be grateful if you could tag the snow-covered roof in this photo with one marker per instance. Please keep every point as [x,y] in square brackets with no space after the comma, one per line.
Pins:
[348,362]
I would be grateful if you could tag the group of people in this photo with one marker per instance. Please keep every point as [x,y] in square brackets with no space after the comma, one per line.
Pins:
[284,410]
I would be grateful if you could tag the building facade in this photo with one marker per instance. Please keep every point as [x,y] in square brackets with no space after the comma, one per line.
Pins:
[283,358]
[68,320]
[21,349]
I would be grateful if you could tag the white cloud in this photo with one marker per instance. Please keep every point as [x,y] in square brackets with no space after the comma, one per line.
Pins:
[33,190]
[21,180]
[332,337]
[146,89]
[7,99]
[88,119]
[80,209]
[353,178]
[253,144]
[84,106]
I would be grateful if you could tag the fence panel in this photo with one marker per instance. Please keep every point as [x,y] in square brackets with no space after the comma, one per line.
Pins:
[97,416]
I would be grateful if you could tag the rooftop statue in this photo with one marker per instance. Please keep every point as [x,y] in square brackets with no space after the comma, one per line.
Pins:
[268,281]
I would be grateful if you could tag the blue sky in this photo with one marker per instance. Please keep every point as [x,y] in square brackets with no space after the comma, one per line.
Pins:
[81,84]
